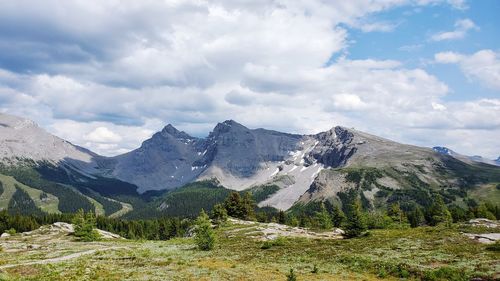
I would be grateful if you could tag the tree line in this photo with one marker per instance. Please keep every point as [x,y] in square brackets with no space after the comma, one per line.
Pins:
[350,216]
[153,229]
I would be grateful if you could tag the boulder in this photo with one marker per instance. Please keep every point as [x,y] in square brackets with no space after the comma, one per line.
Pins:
[108,235]
[486,238]
[484,222]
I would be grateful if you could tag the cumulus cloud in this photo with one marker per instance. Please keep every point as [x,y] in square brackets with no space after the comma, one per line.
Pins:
[108,74]
[483,65]
[461,28]
[103,135]
[347,102]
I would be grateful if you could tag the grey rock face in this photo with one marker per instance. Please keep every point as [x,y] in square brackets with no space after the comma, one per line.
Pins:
[172,158]
[240,151]
[334,147]
[167,160]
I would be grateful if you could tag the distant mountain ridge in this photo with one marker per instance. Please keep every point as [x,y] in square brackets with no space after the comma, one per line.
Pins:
[475,158]
[291,169]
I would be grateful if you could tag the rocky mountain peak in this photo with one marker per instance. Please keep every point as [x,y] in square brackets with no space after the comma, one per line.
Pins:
[21,138]
[227,126]
[443,150]
[172,131]
[16,123]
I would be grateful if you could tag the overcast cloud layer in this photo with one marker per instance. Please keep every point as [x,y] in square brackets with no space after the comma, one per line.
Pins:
[108,74]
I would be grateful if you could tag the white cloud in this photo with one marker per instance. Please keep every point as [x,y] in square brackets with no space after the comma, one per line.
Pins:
[461,28]
[457,4]
[483,65]
[102,135]
[347,102]
[438,106]
[448,57]
[375,26]
[195,63]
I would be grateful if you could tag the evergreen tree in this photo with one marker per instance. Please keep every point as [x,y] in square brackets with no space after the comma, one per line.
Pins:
[338,217]
[355,224]
[457,213]
[394,211]
[484,212]
[219,214]
[85,224]
[282,217]
[438,212]
[234,205]
[416,216]
[204,235]
[248,207]
[292,220]
[323,219]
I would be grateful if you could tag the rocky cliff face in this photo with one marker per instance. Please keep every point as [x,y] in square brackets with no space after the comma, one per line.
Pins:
[240,151]
[334,147]
[169,159]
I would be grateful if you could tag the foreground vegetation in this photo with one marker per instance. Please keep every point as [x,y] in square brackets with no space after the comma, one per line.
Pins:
[422,253]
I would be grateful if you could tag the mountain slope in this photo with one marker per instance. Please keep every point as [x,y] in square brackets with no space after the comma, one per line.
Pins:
[52,174]
[287,169]
[22,139]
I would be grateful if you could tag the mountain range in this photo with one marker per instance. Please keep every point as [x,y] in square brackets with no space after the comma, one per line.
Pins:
[465,158]
[283,170]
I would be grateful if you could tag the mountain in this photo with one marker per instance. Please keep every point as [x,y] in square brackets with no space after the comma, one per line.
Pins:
[173,170]
[22,139]
[169,159]
[475,158]
[42,173]
[232,153]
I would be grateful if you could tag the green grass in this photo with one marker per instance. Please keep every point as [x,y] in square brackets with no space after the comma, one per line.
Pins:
[486,193]
[48,204]
[398,254]
[262,192]
[8,190]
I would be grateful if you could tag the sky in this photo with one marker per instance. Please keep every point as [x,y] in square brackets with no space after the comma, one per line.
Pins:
[108,74]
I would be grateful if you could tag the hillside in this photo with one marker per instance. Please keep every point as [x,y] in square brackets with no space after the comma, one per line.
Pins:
[281,170]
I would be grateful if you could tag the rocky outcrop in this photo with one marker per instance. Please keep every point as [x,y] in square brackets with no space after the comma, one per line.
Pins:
[272,231]
[482,222]
[334,147]
[64,228]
